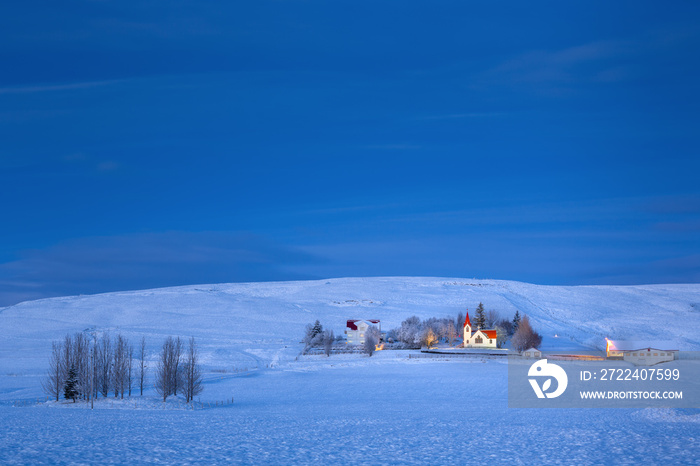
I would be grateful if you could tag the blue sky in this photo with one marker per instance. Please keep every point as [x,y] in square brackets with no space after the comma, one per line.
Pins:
[154,143]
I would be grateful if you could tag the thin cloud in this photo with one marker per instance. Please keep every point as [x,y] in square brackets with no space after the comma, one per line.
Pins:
[140,261]
[464,115]
[57,87]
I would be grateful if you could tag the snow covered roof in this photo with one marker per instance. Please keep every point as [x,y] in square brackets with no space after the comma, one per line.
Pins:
[636,345]
[532,350]
[352,323]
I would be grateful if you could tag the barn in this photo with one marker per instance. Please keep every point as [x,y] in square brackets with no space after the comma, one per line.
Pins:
[532,353]
[641,353]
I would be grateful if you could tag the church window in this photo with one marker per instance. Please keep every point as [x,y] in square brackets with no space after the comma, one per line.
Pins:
[478,340]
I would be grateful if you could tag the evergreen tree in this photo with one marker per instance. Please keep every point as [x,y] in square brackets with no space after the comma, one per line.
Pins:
[516,321]
[480,318]
[70,390]
[316,329]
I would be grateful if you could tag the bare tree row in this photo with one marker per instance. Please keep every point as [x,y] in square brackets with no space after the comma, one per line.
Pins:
[178,373]
[83,366]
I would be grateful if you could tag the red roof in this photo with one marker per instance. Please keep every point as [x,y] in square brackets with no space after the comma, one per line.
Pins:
[490,333]
[467,321]
[352,326]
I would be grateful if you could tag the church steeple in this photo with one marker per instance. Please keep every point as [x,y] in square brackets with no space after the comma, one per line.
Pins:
[467,324]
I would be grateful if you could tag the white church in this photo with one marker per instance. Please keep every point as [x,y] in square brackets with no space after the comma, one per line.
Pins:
[480,338]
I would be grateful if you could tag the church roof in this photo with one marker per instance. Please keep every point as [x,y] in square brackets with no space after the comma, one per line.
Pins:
[489,333]
[466,321]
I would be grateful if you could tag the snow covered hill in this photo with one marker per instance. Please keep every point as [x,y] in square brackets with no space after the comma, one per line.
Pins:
[257,324]
[317,409]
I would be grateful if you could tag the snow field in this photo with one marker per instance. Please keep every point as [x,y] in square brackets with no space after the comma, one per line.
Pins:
[347,408]
[359,411]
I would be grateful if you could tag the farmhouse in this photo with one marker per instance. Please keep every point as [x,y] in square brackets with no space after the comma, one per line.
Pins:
[641,353]
[480,338]
[356,328]
[532,353]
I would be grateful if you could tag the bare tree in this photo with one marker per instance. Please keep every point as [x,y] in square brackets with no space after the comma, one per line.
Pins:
[119,372]
[163,368]
[525,337]
[53,382]
[492,317]
[192,385]
[168,368]
[130,366]
[81,364]
[451,333]
[103,365]
[142,364]
[176,373]
[459,324]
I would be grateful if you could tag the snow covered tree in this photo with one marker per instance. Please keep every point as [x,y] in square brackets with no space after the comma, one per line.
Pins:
[480,319]
[409,332]
[372,337]
[328,339]
[501,336]
[54,381]
[525,337]
[70,390]
[429,338]
[313,336]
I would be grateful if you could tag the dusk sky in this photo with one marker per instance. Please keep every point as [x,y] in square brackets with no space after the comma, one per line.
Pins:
[147,144]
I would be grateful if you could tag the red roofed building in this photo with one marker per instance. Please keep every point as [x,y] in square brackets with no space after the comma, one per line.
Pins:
[356,328]
[480,338]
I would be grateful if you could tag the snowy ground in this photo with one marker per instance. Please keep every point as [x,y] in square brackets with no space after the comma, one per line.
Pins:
[347,408]
[353,410]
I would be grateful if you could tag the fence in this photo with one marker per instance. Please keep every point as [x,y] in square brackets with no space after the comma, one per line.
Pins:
[152,403]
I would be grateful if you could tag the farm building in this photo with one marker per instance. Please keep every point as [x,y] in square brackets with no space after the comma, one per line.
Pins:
[355,330]
[532,353]
[641,353]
